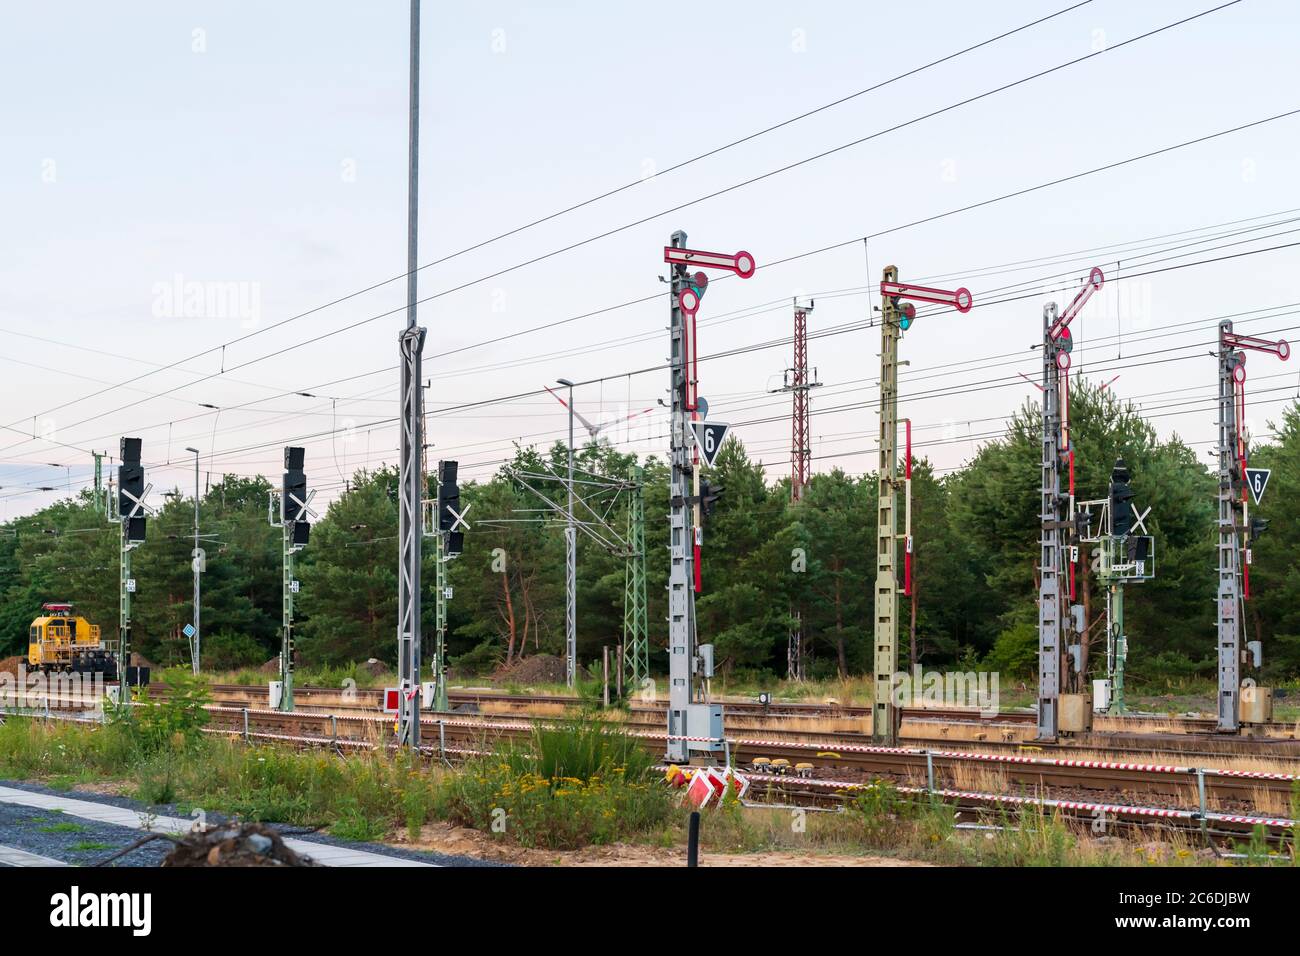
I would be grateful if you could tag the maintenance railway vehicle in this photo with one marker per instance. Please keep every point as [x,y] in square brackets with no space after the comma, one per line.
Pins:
[62,641]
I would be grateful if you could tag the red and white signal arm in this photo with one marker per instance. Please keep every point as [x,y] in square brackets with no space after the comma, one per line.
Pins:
[1096,279]
[959,299]
[392,700]
[742,263]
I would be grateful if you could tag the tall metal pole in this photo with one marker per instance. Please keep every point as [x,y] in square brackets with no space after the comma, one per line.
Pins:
[410,476]
[570,572]
[195,642]
[1229,592]
[886,626]
[1049,587]
[681,594]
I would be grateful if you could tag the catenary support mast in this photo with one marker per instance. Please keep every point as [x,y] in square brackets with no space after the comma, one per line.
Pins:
[798,382]
[636,632]
[410,474]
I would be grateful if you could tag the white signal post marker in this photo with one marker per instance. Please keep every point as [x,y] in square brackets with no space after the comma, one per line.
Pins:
[710,436]
[959,299]
[1257,480]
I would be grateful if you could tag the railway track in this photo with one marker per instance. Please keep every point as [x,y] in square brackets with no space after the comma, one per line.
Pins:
[486,700]
[832,724]
[1071,787]
[1222,787]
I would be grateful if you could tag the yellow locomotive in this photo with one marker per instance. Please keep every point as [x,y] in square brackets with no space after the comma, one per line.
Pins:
[61,640]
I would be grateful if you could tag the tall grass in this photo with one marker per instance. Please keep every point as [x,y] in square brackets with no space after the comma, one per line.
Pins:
[568,786]
[581,748]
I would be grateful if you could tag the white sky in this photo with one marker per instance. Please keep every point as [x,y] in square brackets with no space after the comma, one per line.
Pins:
[268,150]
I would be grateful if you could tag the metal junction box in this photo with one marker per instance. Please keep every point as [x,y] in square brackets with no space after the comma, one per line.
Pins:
[705,720]
[1256,705]
[1075,713]
[1100,696]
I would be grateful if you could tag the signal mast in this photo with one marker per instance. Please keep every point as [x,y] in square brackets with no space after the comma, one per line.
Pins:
[1127,555]
[1234,574]
[694,724]
[1056,514]
[896,317]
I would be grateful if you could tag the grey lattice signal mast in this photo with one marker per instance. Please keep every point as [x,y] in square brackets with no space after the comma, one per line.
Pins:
[1234,580]
[1056,513]
[694,724]
[896,317]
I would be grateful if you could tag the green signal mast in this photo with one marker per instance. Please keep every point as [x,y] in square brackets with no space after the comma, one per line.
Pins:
[636,630]
[1126,555]
[896,317]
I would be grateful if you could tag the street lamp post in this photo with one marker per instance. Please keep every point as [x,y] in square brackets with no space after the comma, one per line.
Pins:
[197,564]
[571,567]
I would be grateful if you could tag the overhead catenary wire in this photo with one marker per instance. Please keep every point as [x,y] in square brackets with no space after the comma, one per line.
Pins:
[752,347]
[965,388]
[979,303]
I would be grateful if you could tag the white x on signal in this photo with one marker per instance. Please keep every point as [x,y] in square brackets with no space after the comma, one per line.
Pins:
[460,517]
[1138,519]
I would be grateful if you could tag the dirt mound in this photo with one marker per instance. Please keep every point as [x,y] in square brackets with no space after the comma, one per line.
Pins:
[10,665]
[374,667]
[272,666]
[538,669]
[249,844]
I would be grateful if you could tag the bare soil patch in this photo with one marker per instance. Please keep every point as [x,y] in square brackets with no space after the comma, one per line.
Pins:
[462,841]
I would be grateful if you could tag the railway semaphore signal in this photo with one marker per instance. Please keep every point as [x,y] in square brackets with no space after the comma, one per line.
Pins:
[694,724]
[897,316]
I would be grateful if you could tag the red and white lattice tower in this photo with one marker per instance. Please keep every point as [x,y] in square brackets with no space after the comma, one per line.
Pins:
[798,382]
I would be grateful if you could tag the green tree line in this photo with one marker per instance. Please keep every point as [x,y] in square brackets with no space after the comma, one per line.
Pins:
[975,532]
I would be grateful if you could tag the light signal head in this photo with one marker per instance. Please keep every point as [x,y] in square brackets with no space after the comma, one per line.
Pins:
[448,501]
[690,296]
[906,315]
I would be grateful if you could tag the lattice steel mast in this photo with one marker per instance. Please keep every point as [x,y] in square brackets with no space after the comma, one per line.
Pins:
[1232,503]
[636,631]
[896,317]
[1055,516]
[798,383]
